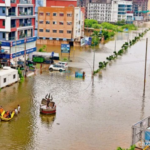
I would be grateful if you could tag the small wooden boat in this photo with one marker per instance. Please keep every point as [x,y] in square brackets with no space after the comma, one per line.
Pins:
[47,110]
[7,119]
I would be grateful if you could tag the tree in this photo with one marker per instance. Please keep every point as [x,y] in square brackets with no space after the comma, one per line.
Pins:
[43,48]
[95,38]
[90,22]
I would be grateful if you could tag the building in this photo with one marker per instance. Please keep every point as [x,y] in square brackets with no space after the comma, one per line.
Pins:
[100,12]
[8,76]
[140,9]
[50,3]
[122,10]
[111,12]
[84,3]
[17,24]
[60,25]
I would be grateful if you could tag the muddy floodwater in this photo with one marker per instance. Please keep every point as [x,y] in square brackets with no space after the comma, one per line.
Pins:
[91,114]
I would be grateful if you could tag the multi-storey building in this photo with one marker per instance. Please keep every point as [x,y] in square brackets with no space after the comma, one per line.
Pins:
[111,12]
[17,23]
[57,25]
[122,10]
[139,7]
[100,12]
[49,3]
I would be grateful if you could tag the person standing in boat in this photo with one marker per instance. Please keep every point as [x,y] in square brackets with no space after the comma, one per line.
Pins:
[48,101]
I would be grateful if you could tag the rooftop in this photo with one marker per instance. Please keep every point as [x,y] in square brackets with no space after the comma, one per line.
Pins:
[7,71]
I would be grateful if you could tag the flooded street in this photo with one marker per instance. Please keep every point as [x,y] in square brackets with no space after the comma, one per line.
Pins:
[91,114]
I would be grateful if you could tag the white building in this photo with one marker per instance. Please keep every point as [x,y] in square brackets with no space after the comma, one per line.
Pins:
[122,10]
[100,12]
[78,29]
[8,76]
[116,11]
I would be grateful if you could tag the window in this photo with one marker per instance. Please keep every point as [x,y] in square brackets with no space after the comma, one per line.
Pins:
[54,22]
[69,15]
[47,22]
[41,13]
[61,14]
[3,35]
[41,22]
[54,31]
[69,32]
[61,31]
[47,14]
[61,23]
[3,22]
[69,23]
[4,80]
[40,30]
[14,76]
[47,30]
[54,14]
[3,10]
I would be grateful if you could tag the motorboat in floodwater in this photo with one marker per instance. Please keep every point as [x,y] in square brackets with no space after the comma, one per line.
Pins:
[47,105]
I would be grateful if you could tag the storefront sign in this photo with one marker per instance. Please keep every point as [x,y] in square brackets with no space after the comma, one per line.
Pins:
[18,42]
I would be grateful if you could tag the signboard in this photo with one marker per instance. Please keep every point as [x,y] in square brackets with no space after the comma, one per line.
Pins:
[88,40]
[82,41]
[18,42]
[65,48]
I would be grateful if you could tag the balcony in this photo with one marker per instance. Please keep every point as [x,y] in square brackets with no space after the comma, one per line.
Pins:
[11,38]
[13,25]
[25,24]
[25,1]
[11,14]
[13,1]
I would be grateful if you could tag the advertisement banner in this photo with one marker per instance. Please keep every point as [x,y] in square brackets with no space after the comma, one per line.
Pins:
[65,48]
[88,40]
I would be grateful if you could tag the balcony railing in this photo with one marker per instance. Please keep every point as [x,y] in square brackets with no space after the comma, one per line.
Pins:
[24,36]
[25,1]
[25,13]
[11,38]
[25,24]
[12,14]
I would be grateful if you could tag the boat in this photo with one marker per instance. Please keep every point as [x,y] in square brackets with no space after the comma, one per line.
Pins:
[7,119]
[47,110]
[47,107]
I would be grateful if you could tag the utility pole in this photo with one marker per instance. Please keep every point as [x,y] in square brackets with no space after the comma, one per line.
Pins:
[93,61]
[145,67]
[25,57]
[115,42]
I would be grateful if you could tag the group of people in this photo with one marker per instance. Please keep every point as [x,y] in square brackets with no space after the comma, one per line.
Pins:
[8,113]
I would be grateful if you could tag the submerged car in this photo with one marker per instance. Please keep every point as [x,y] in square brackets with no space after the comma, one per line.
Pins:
[65,64]
[57,67]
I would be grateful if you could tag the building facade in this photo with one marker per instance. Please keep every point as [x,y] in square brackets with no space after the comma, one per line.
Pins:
[140,8]
[17,25]
[50,3]
[60,25]
[115,11]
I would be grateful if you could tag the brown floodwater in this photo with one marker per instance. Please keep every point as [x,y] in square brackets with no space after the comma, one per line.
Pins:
[91,114]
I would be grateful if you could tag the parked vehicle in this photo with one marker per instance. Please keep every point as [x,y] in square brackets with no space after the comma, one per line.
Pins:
[65,64]
[57,67]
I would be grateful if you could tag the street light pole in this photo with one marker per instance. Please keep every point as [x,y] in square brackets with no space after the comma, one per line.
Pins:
[145,67]
[93,60]
[115,42]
